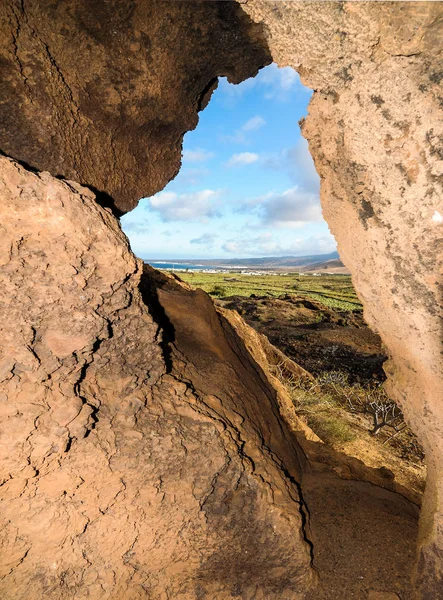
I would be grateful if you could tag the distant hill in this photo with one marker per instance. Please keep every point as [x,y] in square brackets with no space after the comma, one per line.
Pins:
[268,261]
[313,263]
[334,265]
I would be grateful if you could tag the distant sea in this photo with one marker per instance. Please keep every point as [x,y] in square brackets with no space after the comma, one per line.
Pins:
[180,266]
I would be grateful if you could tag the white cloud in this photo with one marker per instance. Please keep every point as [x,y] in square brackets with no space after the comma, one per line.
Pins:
[134,227]
[240,135]
[278,83]
[190,176]
[207,239]
[186,207]
[292,209]
[254,123]
[288,78]
[301,166]
[232,92]
[259,245]
[297,163]
[266,245]
[243,158]
[285,78]
[196,155]
[170,232]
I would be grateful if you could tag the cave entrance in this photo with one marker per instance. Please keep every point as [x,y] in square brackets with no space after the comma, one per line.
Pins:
[247,187]
[242,220]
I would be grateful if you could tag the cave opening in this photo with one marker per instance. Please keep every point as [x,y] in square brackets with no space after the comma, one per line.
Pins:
[187,480]
[247,187]
[242,220]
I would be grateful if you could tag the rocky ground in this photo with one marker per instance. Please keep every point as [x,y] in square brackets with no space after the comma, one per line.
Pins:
[317,337]
[329,342]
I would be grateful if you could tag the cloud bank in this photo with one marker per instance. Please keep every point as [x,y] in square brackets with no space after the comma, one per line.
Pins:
[207,239]
[267,245]
[243,158]
[186,207]
[196,155]
[291,209]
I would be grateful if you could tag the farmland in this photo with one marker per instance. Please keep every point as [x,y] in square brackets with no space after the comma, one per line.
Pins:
[334,291]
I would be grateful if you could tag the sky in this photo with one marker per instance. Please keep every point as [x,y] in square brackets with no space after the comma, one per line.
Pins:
[247,186]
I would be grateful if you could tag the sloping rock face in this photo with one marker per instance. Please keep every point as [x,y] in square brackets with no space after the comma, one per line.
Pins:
[126,468]
[375,130]
[102,91]
[139,459]
[144,453]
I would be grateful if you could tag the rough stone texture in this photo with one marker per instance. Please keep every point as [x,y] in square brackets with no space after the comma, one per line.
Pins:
[130,469]
[373,595]
[348,504]
[144,454]
[96,504]
[102,91]
[375,130]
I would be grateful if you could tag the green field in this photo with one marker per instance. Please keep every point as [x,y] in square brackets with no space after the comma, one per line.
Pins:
[335,291]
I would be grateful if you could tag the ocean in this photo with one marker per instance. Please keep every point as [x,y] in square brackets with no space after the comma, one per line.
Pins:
[180,266]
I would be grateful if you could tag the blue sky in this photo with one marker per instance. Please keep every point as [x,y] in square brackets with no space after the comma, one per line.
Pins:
[247,186]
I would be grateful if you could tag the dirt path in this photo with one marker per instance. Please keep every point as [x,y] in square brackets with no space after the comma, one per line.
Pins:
[363,537]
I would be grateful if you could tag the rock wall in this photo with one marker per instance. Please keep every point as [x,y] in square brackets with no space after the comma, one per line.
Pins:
[144,454]
[375,130]
[128,471]
[102,92]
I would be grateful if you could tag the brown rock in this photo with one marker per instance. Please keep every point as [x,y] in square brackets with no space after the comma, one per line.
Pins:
[103,92]
[122,480]
[374,121]
[154,460]
[382,596]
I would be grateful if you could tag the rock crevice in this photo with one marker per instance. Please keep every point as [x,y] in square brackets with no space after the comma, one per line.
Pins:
[124,438]
[129,468]
[176,480]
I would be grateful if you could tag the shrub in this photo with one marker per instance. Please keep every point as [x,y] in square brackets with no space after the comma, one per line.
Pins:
[369,399]
[321,411]
[218,290]
[330,429]
[319,403]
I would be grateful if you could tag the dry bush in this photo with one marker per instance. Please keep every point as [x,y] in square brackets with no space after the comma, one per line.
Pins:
[370,399]
[317,407]
[319,403]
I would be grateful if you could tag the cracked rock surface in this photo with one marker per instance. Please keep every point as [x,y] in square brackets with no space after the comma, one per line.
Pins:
[119,479]
[144,452]
[117,452]
[84,81]
[375,131]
